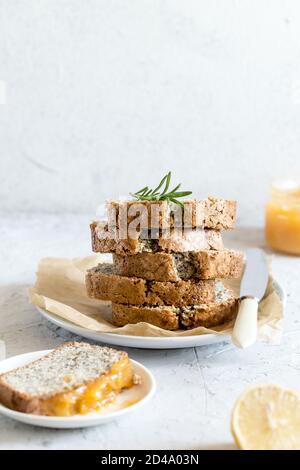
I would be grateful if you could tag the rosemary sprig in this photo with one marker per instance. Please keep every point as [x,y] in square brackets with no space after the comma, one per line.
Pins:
[147,194]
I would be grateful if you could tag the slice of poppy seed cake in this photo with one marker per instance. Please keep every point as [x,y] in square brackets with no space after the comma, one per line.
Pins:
[65,381]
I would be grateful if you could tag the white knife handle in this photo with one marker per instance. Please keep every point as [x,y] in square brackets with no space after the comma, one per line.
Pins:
[245,328]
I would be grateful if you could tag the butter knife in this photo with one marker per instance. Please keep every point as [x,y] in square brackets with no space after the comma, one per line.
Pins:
[253,287]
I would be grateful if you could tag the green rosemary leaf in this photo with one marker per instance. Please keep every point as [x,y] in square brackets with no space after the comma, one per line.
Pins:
[180,194]
[137,196]
[141,191]
[175,189]
[168,179]
[147,194]
[155,191]
[175,201]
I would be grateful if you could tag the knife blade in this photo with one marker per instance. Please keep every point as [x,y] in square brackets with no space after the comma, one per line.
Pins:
[253,286]
[256,274]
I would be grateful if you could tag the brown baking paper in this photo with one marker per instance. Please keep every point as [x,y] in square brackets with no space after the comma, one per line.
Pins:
[60,289]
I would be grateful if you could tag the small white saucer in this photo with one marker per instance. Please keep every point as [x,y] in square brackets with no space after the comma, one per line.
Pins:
[127,401]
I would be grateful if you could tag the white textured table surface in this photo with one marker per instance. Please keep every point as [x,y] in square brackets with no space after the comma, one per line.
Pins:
[196,387]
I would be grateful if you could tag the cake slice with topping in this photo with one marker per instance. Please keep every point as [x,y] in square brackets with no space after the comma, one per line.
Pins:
[75,378]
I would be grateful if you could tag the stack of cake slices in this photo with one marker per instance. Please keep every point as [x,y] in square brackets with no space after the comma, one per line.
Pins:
[173,281]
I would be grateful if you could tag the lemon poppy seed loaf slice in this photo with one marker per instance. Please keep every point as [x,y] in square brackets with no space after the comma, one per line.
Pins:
[213,213]
[223,310]
[107,240]
[73,378]
[102,283]
[204,264]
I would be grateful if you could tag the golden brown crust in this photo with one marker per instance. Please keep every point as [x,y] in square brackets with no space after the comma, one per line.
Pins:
[210,315]
[164,317]
[170,318]
[206,264]
[181,293]
[150,266]
[112,245]
[214,213]
[219,264]
[18,401]
[136,291]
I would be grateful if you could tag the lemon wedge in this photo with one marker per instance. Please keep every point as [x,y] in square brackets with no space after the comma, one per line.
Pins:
[267,417]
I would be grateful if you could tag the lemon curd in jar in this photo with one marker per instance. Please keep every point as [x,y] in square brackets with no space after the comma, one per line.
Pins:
[283,217]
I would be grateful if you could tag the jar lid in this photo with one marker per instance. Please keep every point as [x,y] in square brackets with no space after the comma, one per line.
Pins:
[291,186]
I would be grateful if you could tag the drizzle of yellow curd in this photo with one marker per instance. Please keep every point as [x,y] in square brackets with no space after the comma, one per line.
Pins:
[283,222]
[92,396]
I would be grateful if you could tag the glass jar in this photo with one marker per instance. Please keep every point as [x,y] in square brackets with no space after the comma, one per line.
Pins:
[282,227]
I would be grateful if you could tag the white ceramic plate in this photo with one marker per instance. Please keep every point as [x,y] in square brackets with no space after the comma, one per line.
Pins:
[139,395]
[145,342]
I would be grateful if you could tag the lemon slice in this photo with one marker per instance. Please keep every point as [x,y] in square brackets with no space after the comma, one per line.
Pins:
[267,417]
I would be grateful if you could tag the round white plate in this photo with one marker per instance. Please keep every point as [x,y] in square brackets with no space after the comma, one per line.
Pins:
[126,402]
[146,342]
